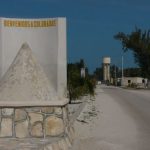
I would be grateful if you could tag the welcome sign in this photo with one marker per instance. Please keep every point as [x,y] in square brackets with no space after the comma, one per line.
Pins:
[47,39]
[23,23]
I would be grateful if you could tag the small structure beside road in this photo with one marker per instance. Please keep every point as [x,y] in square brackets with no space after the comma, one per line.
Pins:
[138,82]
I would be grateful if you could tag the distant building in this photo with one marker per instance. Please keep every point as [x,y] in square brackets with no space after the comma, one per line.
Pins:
[138,81]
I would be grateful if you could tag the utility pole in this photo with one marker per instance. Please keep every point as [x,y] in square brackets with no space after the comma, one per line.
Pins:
[122,78]
[115,77]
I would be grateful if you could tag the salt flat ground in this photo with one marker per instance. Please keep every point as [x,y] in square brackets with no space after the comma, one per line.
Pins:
[117,119]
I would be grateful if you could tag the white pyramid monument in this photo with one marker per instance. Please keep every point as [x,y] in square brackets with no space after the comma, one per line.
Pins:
[25,80]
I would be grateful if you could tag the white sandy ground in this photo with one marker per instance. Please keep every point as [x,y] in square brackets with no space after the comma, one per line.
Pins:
[109,128]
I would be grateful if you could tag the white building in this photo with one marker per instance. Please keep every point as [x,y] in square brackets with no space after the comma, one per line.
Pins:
[139,81]
[47,39]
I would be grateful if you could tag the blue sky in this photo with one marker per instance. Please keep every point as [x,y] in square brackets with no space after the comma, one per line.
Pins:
[91,24]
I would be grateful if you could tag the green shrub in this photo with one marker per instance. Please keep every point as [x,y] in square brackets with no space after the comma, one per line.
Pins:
[77,85]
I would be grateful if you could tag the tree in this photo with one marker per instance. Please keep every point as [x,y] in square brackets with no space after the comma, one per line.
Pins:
[81,63]
[132,72]
[138,42]
[98,74]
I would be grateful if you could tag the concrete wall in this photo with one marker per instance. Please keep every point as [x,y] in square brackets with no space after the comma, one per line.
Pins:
[47,42]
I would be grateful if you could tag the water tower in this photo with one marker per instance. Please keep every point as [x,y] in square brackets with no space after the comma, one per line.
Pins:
[106,68]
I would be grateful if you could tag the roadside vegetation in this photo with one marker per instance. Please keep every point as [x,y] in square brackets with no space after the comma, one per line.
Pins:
[77,84]
[138,41]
